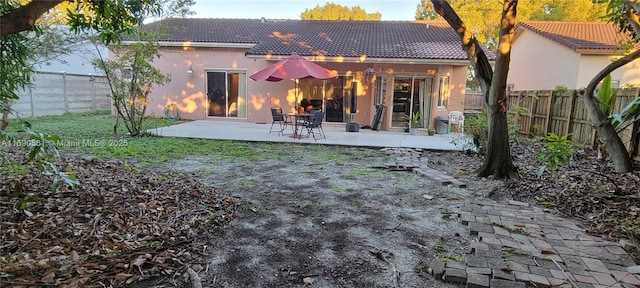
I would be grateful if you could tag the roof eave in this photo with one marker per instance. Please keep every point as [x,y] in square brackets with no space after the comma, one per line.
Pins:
[364,59]
[200,44]
[591,51]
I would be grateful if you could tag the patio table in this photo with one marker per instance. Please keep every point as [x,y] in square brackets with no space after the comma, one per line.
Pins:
[297,119]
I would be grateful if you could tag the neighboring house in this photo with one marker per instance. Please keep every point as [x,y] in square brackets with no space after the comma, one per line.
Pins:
[78,61]
[66,83]
[408,66]
[547,54]
[79,58]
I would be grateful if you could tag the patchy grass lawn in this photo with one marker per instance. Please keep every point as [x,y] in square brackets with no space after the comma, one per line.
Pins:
[92,133]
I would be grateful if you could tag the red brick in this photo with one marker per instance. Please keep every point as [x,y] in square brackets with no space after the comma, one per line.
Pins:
[514,266]
[595,265]
[604,278]
[631,279]
[561,275]
[585,279]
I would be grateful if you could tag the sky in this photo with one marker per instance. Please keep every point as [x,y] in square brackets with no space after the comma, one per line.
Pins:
[291,9]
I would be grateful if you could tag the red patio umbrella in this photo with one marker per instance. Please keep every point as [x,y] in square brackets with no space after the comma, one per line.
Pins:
[293,67]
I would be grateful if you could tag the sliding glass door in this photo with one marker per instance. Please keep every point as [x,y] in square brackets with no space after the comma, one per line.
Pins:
[331,95]
[411,95]
[226,94]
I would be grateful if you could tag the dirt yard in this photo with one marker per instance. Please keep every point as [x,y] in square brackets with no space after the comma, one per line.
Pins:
[287,215]
[334,220]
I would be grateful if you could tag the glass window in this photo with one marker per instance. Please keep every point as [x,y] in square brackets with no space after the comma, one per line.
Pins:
[443,93]
[127,74]
[381,88]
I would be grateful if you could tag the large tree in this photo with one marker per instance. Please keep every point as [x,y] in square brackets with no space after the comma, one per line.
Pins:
[483,16]
[20,52]
[109,18]
[332,11]
[493,83]
[625,13]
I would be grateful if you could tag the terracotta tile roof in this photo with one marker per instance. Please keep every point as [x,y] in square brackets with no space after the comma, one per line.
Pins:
[578,35]
[375,39]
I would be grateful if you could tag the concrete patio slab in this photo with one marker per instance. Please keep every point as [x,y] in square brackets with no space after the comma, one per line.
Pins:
[336,135]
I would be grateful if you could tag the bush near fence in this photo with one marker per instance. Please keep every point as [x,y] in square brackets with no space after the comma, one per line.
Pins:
[59,93]
[562,112]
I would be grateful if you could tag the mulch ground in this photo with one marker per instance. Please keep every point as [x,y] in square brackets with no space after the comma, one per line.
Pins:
[119,226]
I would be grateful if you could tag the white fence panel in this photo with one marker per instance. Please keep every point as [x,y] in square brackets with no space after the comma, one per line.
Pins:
[59,93]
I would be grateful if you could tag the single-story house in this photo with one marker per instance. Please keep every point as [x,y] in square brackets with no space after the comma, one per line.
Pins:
[548,54]
[80,53]
[409,66]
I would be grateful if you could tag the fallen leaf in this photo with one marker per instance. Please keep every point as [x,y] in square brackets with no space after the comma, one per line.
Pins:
[159,259]
[196,267]
[49,277]
[44,263]
[74,256]
[123,276]
[308,280]
[96,266]
[138,261]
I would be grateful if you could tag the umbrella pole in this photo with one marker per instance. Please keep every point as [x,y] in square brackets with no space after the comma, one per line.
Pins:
[296,96]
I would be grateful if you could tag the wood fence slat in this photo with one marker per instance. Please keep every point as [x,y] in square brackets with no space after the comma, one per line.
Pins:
[571,109]
[547,117]
[562,113]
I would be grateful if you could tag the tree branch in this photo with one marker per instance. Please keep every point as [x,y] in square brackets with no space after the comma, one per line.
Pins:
[610,68]
[24,17]
[470,44]
[621,161]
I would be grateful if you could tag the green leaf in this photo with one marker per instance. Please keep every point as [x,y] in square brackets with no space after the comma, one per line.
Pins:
[541,170]
[32,199]
[55,185]
[606,98]
[33,153]
[628,114]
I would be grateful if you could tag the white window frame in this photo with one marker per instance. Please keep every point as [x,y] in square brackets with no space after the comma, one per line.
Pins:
[444,92]
[127,74]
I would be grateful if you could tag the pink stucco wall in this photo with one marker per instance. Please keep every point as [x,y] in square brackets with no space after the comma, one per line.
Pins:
[188,91]
[538,63]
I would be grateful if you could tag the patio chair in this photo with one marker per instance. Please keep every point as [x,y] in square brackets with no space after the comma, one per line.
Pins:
[457,118]
[280,118]
[314,126]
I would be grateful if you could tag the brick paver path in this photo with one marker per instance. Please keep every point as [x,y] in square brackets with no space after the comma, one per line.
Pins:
[526,246]
[521,245]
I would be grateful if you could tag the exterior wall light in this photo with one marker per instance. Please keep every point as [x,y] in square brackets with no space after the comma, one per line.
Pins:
[190,70]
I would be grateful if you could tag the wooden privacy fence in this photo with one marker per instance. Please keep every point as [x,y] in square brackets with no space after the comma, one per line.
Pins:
[59,93]
[557,111]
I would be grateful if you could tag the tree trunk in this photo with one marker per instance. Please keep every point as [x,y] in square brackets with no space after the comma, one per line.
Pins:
[24,17]
[470,44]
[5,115]
[615,147]
[498,159]
[498,156]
